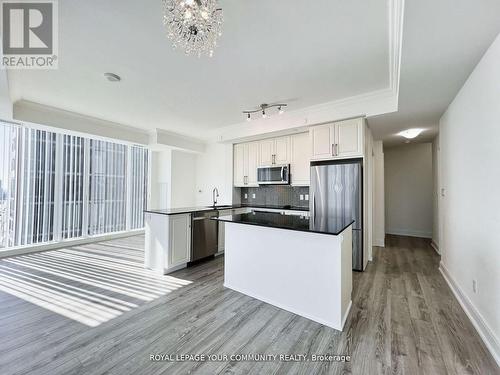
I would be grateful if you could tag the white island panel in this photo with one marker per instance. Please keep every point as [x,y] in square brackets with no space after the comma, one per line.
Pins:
[306,273]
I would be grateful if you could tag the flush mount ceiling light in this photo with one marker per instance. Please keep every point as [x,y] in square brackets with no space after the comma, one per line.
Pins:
[112,77]
[263,108]
[193,25]
[410,133]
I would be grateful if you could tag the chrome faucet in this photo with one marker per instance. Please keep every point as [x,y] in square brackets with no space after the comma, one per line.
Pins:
[215,195]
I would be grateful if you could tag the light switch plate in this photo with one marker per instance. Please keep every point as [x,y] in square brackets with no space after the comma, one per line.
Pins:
[246,195]
[307,197]
[253,195]
[301,197]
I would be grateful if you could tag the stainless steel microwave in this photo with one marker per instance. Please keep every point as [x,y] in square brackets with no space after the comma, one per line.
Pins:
[274,175]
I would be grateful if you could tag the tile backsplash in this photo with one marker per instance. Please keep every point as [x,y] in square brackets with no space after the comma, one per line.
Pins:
[276,195]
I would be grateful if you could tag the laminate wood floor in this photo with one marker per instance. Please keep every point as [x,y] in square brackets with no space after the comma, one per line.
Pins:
[93,309]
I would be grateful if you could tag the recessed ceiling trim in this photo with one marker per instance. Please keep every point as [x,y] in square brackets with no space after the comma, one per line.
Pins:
[396,18]
[367,104]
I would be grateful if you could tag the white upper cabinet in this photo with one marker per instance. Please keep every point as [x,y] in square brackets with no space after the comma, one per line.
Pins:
[274,151]
[246,161]
[341,139]
[282,150]
[349,138]
[253,163]
[300,159]
[239,165]
[322,140]
[337,140]
[266,150]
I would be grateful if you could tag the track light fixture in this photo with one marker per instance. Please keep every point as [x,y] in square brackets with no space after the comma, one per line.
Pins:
[263,108]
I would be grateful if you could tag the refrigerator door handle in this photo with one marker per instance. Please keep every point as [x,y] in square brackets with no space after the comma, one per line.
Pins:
[313,207]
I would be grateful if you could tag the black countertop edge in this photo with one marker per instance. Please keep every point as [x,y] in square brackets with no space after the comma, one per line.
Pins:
[190,210]
[241,219]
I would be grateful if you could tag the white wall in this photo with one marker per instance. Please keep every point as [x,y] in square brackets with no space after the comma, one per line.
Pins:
[172,179]
[159,179]
[214,169]
[408,189]
[470,208]
[183,179]
[5,102]
[378,195]
[435,193]
[368,196]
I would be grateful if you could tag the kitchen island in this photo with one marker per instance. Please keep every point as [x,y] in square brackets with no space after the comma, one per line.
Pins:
[172,238]
[300,264]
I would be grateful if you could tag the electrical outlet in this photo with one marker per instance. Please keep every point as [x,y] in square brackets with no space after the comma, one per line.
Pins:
[246,196]
[307,197]
[301,197]
[474,286]
[253,196]
[443,192]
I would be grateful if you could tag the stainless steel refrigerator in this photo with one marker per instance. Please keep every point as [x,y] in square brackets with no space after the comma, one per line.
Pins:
[337,190]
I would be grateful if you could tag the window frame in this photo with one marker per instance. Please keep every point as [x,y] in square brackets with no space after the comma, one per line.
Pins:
[59,179]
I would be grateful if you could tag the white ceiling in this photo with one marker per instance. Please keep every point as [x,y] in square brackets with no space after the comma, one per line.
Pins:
[443,40]
[301,52]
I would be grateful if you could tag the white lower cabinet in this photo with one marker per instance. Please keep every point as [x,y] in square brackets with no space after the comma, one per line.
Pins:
[168,242]
[180,239]
[234,211]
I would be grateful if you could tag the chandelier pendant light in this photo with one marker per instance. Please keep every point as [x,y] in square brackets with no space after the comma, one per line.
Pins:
[193,25]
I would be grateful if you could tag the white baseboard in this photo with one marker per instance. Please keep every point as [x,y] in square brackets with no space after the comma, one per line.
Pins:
[435,247]
[21,250]
[482,328]
[346,314]
[379,242]
[409,233]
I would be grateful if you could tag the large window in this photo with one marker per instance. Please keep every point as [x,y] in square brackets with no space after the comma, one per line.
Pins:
[36,186]
[56,186]
[138,162]
[107,187]
[9,136]
[73,186]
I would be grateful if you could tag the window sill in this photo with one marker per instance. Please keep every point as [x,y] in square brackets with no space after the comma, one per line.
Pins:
[20,250]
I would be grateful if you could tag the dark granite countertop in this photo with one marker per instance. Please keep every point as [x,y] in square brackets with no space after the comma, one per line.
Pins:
[333,225]
[189,210]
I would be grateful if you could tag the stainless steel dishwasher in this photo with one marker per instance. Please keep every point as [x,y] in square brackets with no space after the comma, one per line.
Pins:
[205,234]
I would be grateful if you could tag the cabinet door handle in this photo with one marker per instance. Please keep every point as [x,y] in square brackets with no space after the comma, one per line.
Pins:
[333,149]
[336,149]
[274,158]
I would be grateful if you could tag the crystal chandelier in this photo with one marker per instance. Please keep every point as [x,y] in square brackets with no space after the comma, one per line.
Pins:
[193,25]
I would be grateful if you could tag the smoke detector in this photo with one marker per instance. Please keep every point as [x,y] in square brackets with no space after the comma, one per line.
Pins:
[112,77]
